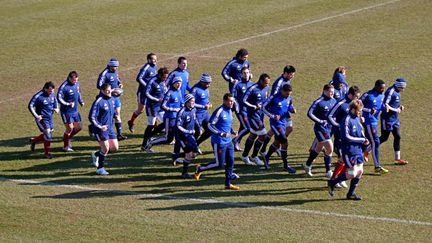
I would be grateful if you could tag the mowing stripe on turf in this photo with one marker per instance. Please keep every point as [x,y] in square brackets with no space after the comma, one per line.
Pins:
[247,38]
[234,204]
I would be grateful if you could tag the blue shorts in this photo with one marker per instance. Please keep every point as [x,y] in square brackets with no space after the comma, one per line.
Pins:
[45,124]
[322,133]
[256,123]
[351,160]
[141,97]
[71,118]
[279,133]
[187,142]
[117,102]
[105,135]
[389,125]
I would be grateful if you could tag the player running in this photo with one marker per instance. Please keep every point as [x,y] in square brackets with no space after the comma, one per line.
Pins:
[110,75]
[318,112]
[373,105]
[182,72]
[253,99]
[278,108]
[223,149]
[353,141]
[145,74]
[42,106]
[101,118]
[339,83]
[390,117]
[69,96]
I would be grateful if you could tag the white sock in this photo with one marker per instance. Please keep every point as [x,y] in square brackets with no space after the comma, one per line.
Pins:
[397,155]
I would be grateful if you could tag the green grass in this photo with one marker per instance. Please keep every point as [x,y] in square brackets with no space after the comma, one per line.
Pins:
[44,40]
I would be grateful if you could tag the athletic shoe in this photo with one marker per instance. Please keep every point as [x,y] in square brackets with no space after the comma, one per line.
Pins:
[237,147]
[234,176]
[32,145]
[381,170]
[197,174]
[199,151]
[329,174]
[121,137]
[308,170]
[366,156]
[246,160]
[401,162]
[178,161]
[354,197]
[343,184]
[67,149]
[232,187]
[186,176]
[48,156]
[263,154]
[102,171]
[172,142]
[338,185]
[291,170]
[131,126]
[257,161]
[330,188]
[95,159]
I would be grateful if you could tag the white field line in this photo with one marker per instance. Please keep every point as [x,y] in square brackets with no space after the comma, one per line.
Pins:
[247,38]
[233,204]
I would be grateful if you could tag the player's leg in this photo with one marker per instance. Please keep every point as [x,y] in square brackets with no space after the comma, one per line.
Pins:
[118,121]
[374,139]
[228,154]
[267,139]
[212,164]
[396,145]
[328,146]
[101,155]
[243,130]
[138,111]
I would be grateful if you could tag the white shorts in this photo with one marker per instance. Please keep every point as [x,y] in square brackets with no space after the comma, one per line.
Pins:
[151,120]
[259,132]
[289,123]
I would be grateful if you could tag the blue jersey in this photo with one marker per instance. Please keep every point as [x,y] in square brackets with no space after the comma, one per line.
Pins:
[340,86]
[42,104]
[155,90]
[145,74]
[102,111]
[68,93]
[372,100]
[184,75]
[232,71]
[201,95]
[352,136]
[238,92]
[339,111]
[278,84]
[392,98]
[255,95]
[186,120]
[320,109]
[172,101]
[221,122]
[106,76]
[278,105]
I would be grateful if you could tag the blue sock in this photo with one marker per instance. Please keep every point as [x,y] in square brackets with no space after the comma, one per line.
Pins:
[185,166]
[339,179]
[271,150]
[284,155]
[265,143]
[327,162]
[118,126]
[353,186]
[101,159]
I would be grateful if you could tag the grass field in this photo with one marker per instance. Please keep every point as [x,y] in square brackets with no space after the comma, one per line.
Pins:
[144,199]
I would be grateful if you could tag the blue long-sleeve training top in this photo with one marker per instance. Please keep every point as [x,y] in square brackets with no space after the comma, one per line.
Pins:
[238,92]
[255,94]
[278,84]
[106,76]
[172,101]
[68,93]
[186,120]
[184,75]
[221,122]
[339,111]
[102,111]
[320,108]
[278,105]
[145,74]
[155,90]
[352,135]
[42,104]
[202,96]
[392,98]
[372,100]
[232,70]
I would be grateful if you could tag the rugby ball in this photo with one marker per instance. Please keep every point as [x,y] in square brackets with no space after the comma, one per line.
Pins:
[116,92]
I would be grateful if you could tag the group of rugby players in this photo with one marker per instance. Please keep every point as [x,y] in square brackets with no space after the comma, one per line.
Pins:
[182,112]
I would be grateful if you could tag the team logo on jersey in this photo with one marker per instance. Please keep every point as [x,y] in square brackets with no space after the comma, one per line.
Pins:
[374,101]
[239,67]
[106,107]
[326,108]
[224,116]
[280,104]
[188,119]
[175,99]
[259,95]
[354,128]
[203,95]
[111,78]
[45,102]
